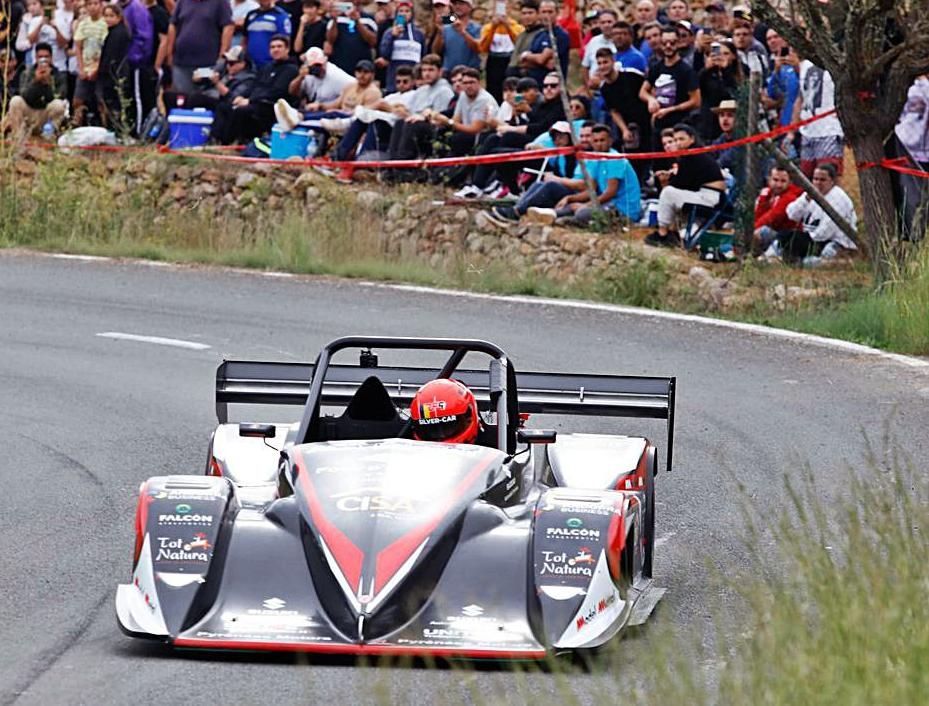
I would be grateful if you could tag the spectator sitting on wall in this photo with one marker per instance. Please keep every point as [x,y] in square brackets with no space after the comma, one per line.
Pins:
[236,80]
[661,167]
[818,238]
[566,178]
[617,186]
[41,99]
[771,208]
[318,80]
[692,179]
[473,113]
[411,137]
[247,117]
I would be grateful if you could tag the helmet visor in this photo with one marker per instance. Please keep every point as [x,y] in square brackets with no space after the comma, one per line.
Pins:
[445,427]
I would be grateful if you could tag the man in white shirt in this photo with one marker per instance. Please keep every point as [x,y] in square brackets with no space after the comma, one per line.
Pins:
[605,21]
[819,238]
[319,81]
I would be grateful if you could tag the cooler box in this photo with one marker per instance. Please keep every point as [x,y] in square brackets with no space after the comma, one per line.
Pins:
[189,128]
[294,143]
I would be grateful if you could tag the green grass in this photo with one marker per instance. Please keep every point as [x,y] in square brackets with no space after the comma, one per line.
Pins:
[69,206]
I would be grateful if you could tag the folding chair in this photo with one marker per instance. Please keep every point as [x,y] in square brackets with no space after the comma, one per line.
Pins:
[701,218]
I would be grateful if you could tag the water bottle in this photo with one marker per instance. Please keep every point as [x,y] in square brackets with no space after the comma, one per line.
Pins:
[48,130]
[312,146]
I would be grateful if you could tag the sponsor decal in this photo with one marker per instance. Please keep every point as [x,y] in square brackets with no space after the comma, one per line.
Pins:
[562,564]
[571,533]
[242,636]
[178,580]
[562,593]
[374,503]
[183,515]
[592,508]
[270,618]
[433,410]
[595,610]
[437,420]
[472,611]
[176,549]
[274,603]
[574,523]
[146,596]
[187,494]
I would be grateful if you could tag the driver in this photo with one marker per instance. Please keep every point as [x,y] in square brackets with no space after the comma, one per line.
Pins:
[445,410]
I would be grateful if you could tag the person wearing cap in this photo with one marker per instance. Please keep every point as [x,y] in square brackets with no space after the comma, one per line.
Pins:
[685,44]
[236,79]
[719,80]
[311,29]
[617,186]
[351,33]
[335,116]
[261,24]
[248,117]
[497,41]
[731,159]
[457,43]
[318,80]
[716,19]
[752,53]
[561,177]
[402,44]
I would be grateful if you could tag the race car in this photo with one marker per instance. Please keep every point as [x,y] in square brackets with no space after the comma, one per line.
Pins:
[342,533]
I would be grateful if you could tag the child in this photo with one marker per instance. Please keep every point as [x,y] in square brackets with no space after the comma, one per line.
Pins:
[89,36]
[312,30]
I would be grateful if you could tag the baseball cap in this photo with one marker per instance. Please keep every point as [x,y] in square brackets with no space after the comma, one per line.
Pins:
[685,25]
[726,106]
[315,56]
[440,2]
[235,54]
[742,12]
[561,126]
[714,7]
[365,65]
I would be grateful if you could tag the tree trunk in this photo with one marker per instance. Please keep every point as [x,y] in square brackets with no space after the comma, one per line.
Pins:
[879,220]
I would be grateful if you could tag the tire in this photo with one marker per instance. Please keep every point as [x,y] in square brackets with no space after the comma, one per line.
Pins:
[649,523]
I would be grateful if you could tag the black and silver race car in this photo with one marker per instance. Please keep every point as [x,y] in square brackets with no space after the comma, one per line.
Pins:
[342,534]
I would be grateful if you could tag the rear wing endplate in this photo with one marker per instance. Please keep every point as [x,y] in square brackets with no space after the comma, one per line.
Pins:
[274,383]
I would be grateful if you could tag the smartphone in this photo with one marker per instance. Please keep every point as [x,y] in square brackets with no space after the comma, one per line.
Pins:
[344,7]
[519,98]
[400,21]
[500,8]
[48,12]
[785,51]
[715,48]
[450,19]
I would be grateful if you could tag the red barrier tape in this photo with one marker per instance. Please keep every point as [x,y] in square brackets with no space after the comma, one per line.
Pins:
[896,165]
[525,155]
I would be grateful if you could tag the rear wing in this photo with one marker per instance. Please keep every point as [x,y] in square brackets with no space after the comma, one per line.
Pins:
[273,383]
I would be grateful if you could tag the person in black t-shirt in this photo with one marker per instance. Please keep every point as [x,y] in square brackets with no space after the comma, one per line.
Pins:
[692,179]
[671,90]
[352,35]
[311,31]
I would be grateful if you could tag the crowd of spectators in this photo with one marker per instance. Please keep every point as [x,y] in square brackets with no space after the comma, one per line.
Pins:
[394,81]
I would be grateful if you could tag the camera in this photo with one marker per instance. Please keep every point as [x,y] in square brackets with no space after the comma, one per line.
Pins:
[315,70]
[450,19]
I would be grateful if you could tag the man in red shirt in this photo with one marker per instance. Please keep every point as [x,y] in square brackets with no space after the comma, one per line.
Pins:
[771,208]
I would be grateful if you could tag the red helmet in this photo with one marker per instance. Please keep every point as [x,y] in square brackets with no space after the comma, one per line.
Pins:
[445,410]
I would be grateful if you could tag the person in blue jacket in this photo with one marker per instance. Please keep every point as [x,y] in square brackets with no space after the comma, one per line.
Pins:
[262,23]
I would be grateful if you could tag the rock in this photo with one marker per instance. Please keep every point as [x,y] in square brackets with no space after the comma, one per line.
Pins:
[311,195]
[369,199]
[244,179]
[261,168]
[25,168]
[483,221]
[462,215]
[700,276]
[395,212]
[209,189]
[414,199]
[211,176]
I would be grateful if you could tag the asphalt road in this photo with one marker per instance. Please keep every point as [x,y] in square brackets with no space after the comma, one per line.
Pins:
[84,419]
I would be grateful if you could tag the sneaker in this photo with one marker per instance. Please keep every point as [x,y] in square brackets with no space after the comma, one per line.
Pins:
[501,192]
[772,254]
[365,115]
[345,175]
[325,171]
[287,116]
[505,213]
[545,216]
[335,126]
[492,187]
[469,192]
[656,240]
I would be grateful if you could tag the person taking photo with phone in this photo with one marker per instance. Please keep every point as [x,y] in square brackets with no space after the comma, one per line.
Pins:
[402,44]
[457,43]
[497,40]
[351,33]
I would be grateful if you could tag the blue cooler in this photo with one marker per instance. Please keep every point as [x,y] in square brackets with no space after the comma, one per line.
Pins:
[294,143]
[189,128]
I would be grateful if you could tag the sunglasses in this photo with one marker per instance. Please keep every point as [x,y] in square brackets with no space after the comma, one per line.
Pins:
[551,85]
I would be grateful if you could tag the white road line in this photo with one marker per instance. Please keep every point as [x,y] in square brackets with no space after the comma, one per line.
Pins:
[807,338]
[85,258]
[157,340]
